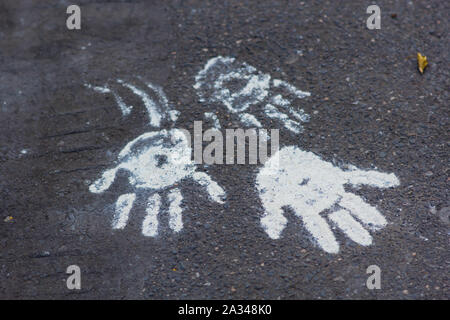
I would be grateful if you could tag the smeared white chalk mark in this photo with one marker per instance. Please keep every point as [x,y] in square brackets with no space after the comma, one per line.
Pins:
[272,112]
[98,89]
[175,211]
[278,99]
[174,114]
[123,206]
[150,223]
[300,94]
[308,185]
[238,86]
[250,120]
[123,107]
[300,115]
[211,116]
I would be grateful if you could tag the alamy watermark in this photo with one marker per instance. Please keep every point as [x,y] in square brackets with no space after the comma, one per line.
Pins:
[374,280]
[73,282]
[223,150]
[73,22]
[374,20]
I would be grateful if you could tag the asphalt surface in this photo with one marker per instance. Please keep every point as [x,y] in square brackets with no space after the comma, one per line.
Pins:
[369,106]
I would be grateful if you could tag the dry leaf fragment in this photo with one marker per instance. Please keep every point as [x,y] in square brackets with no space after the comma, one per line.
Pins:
[422,62]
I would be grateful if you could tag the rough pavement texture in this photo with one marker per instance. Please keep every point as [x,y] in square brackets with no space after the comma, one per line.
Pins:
[369,107]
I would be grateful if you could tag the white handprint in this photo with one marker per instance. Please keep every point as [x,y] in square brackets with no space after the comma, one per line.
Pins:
[240,88]
[303,182]
[156,162]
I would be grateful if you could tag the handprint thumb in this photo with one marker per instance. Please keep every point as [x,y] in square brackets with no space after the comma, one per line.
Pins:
[104,182]
[373,178]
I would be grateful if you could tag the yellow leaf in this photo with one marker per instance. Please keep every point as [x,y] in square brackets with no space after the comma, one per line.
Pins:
[422,62]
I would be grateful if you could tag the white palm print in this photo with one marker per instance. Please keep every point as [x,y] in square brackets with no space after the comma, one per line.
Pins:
[241,88]
[156,162]
[309,186]
[293,178]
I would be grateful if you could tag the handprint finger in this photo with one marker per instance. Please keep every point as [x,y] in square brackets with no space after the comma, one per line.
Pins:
[150,223]
[153,111]
[372,178]
[272,112]
[286,104]
[175,211]
[249,120]
[273,221]
[214,190]
[366,213]
[352,228]
[123,206]
[319,229]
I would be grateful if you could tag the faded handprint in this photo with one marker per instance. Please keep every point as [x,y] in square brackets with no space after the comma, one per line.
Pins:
[156,110]
[303,182]
[241,88]
[156,162]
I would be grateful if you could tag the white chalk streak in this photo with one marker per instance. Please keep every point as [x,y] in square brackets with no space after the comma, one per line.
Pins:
[122,106]
[174,114]
[150,223]
[272,112]
[161,95]
[98,89]
[300,94]
[175,211]
[123,206]
[152,109]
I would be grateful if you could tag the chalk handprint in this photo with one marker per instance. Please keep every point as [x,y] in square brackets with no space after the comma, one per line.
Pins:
[156,162]
[306,184]
[244,90]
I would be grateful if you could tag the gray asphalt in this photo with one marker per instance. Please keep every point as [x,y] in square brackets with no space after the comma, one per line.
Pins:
[369,106]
